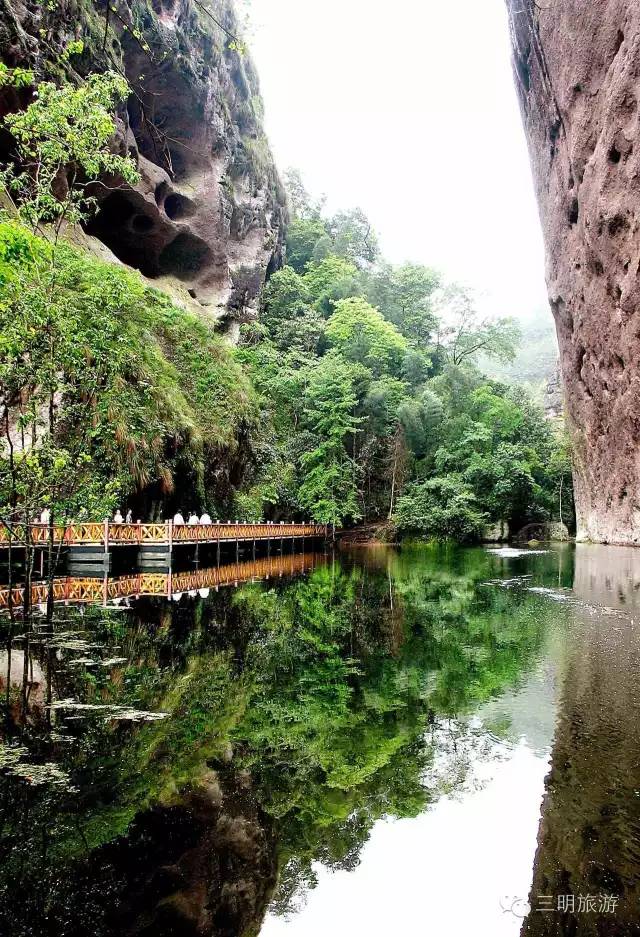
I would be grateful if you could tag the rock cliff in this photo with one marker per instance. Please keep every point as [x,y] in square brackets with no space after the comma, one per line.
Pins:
[552,402]
[206,221]
[577,71]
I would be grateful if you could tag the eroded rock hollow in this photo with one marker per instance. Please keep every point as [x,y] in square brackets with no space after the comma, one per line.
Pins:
[577,73]
[206,221]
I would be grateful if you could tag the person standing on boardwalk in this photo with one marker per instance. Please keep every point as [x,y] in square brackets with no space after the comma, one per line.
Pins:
[205,519]
[117,517]
[178,518]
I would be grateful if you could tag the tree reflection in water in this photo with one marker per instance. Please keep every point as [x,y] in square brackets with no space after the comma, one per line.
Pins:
[298,712]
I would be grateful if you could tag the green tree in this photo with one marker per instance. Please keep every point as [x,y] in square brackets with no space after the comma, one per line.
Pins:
[302,236]
[287,312]
[62,145]
[329,489]
[329,280]
[441,508]
[466,333]
[353,237]
[404,295]
[361,334]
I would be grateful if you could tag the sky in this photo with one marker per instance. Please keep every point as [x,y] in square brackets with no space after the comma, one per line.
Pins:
[408,110]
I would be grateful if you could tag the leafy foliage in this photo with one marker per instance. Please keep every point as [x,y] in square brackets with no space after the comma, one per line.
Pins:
[142,392]
[413,420]
[62,145]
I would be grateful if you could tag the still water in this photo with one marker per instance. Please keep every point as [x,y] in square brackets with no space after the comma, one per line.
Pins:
[417,742]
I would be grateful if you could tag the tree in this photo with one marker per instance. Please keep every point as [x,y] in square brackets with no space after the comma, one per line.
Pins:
[329,489]
[353,237]
[404,295]
[302,236]
[300,202]
[329,280]
[441,508]
[415,368]
[48,383]
[465,333]
[62,146]
[287,312]
[362,335]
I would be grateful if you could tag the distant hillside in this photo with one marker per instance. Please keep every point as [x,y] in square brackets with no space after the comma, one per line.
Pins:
[536,360]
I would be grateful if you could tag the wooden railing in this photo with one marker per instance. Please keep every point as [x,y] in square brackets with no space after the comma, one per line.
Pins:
[107,533]
[103,590]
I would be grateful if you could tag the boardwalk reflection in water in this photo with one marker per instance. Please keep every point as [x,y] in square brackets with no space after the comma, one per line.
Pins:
[106,589]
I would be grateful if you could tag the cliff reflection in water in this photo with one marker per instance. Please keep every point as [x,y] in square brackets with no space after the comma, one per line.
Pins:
[589,839]
[189,763]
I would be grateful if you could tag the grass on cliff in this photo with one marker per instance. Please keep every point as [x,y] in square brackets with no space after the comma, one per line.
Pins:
[172,402]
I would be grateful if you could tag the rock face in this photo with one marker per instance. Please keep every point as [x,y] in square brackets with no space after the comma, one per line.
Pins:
[553,405]
[577,72]
[206,222]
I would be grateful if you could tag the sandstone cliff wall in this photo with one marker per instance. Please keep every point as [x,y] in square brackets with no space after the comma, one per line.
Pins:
[206,222]
[577,72]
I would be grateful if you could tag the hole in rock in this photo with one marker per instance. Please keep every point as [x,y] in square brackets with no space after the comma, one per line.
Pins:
[116,210]
[122,227]
[177,206]
[574,211]
[617,224]
[141,223]
[614,155]
[619,41]
[185,256]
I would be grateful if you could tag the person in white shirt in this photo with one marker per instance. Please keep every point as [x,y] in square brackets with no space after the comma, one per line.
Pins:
[193,519]
[205,519]
[129,517]
[117,517]
[45,516]
[178,518]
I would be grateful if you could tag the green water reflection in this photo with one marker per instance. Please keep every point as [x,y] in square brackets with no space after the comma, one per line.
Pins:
[291,716]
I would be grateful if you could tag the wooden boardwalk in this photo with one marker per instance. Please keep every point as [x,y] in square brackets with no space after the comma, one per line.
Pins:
[106,589]
[108,534]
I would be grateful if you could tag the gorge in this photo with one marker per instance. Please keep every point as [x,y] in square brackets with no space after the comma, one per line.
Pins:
[295,638]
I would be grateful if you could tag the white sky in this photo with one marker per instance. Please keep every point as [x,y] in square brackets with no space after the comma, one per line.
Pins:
[408,110]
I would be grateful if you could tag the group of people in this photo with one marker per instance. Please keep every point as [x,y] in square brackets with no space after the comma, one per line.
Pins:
[193,518]
[119,519]
[178,518]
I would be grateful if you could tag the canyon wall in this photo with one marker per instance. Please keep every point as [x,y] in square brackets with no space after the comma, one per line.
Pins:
[206,221]
[577,73]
